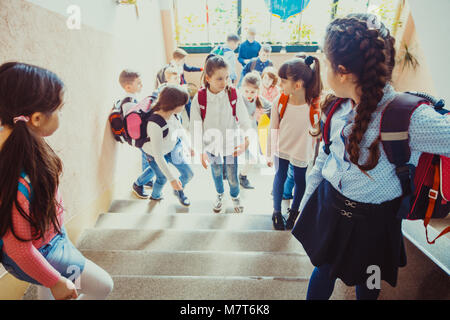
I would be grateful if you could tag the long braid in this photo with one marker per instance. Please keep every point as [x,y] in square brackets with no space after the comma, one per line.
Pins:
[363,52]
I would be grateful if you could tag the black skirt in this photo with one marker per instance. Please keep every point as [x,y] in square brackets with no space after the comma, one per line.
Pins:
[351,236]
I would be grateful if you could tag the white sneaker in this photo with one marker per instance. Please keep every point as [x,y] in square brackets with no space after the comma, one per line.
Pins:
[218,204]
[237,205]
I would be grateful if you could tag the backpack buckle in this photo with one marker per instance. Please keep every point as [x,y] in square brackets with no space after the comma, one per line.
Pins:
[433,194]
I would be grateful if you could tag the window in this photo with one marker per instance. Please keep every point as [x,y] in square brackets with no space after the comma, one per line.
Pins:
[207,22]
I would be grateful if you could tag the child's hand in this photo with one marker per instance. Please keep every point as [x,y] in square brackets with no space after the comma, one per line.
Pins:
[192,153]
[205,160]
[269,162]
[64,290]
[176,185]
[241,148]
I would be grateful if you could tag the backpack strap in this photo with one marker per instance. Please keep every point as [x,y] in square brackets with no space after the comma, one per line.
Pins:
[394,135]
[282,104]
[314,112]
[160,121]
[202,99]
[232,96]
[327,128]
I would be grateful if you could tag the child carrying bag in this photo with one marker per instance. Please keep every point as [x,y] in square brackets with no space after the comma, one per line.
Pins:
[202,101]
[425,188]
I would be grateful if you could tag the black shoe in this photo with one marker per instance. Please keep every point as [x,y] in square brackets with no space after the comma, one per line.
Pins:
[149,184]
[139,191]
[278,221]
[291,219]
[182,198]
[244,182]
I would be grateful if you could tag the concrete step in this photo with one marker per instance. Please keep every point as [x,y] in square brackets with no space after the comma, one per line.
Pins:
[188,240]
[201,263]
[184,221]
[209,288]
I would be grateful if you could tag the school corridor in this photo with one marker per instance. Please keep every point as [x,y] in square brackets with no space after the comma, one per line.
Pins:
[161,250]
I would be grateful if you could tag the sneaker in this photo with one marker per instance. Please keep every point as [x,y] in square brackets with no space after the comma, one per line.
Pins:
[237,205]
[278,221]
[182,198]
[244,182]
[149,184]
[291,219]
[139,191]
[218,204]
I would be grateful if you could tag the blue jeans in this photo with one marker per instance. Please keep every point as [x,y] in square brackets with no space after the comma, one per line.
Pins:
[282,167]
[60,253]
[147,172]
[231,168]
[176,158]
[289,184]
[321,286]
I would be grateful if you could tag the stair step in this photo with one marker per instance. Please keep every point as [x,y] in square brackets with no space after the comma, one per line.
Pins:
[188,240]
[211,288]
[201,263]
[184,221]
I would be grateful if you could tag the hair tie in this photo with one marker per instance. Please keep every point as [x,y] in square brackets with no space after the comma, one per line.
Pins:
[309,60]
[21,118]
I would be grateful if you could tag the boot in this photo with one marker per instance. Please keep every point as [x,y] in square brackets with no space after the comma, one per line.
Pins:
[244,182]
[291,219]
[278,221]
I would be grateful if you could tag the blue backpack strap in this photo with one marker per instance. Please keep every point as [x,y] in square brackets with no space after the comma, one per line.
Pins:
[394,135]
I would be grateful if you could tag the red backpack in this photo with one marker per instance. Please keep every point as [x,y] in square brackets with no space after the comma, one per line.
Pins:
[314,109]
[202,101]
[425,188]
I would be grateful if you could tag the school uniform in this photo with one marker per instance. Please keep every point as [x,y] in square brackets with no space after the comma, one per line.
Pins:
[254,64]
[348,220]
[248,50]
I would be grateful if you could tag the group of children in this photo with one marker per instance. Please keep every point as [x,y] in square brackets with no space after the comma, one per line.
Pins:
[351,176]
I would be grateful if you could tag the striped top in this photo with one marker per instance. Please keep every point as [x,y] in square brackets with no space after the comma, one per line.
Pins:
[26,254]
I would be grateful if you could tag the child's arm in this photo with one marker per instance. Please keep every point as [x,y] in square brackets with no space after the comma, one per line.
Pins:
[429,131]
[25,254]
[273,130]
[242,114]
[196,126]
[314,178]
[191,69]
[155,133]
[230,57]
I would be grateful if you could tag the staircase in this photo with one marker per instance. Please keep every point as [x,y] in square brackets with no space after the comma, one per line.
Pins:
[167,252]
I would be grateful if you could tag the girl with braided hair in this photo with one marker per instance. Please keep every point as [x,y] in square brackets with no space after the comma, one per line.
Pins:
[348,223]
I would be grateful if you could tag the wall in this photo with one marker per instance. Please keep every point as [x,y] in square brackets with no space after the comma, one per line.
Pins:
[89,61]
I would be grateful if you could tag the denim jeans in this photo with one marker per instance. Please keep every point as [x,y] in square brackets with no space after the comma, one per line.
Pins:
[60,253]
[176,158]
[231,168]
[147,172]
[289,184]
[282,167]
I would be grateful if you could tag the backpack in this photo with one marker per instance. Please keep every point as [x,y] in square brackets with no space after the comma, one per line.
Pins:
[116,120]
[314,109]
[425,188]
[137,118]
[202,101]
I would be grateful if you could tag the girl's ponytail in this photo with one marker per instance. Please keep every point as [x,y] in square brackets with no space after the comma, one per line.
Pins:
[313,88]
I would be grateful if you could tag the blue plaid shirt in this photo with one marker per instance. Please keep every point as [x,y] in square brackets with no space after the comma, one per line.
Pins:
[429,132]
